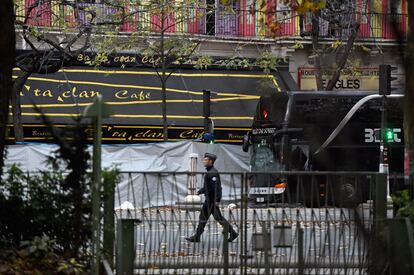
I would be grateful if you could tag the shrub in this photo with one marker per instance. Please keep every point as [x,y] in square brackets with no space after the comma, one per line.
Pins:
[39,257]
[45,217]
[55,203]
[404,204]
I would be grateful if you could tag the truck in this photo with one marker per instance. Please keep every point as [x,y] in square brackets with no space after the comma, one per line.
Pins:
[322,131]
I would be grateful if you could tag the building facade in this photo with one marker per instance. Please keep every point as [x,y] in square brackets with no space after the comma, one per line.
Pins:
[244,30]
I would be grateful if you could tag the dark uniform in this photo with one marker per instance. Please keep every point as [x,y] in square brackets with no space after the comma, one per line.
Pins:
[212,191]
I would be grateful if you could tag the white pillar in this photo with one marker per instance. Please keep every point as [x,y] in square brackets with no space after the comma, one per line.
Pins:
[192,196]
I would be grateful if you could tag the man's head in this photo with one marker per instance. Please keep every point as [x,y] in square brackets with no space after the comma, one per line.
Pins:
[209,159]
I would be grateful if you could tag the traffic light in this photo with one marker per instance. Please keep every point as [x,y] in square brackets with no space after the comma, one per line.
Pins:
[264,114]
[385,79]
[208,138]
[388,135]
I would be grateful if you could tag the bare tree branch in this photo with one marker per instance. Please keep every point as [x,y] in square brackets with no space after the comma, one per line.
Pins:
[316,51]
[343,58]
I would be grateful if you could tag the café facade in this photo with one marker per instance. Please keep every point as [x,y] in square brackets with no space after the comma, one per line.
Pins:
[135,98]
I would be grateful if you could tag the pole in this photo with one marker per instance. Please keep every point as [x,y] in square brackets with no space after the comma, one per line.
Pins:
[206,110]
[242,222]
[125,249]
[267,246]
[96,187]
[377,245]
[109,223]
[301,260]
[96,111]
[192,183]
[409,96]
[383,165]
[192,197]
[226,250]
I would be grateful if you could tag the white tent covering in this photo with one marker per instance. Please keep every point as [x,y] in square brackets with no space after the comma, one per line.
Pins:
[132,160]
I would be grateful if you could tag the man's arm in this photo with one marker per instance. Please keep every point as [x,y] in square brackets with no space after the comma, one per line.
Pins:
[218,188]
[201,191]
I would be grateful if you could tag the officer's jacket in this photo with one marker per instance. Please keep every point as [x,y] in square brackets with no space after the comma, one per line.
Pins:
[212,185]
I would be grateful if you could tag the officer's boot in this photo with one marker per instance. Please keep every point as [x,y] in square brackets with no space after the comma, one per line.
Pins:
[196,237]
[193,239]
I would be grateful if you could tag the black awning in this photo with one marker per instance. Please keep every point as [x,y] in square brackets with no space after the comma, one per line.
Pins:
[135,95]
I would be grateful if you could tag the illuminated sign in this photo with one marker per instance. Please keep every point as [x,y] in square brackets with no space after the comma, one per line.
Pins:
[135,97]
[134,134]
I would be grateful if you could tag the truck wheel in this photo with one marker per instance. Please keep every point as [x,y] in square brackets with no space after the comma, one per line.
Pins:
[347,192]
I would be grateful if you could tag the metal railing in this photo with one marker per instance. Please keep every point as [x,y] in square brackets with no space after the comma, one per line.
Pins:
[220,22]
[371,25]
[311,227]
[310,223]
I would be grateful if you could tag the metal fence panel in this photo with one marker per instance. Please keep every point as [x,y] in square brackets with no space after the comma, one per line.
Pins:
[311,228]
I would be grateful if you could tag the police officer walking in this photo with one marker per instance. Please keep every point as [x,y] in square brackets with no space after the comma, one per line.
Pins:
[212,191]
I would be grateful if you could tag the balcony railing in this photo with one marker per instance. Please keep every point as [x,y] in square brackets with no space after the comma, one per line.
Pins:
[372,25]
[221,22]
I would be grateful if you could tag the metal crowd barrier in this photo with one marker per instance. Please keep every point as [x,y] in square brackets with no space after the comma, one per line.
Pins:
[310,228]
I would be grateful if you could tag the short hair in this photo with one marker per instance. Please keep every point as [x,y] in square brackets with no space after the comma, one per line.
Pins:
[210,156]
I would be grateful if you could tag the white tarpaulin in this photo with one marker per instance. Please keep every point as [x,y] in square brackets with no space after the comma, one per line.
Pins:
[149,190]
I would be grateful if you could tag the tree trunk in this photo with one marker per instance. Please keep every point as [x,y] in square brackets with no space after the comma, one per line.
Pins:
[7,61]
[164,107]
[343,58]
[316,51]
[18,85]
[409,93]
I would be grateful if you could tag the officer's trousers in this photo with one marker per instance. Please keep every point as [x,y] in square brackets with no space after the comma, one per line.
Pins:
[208,209]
